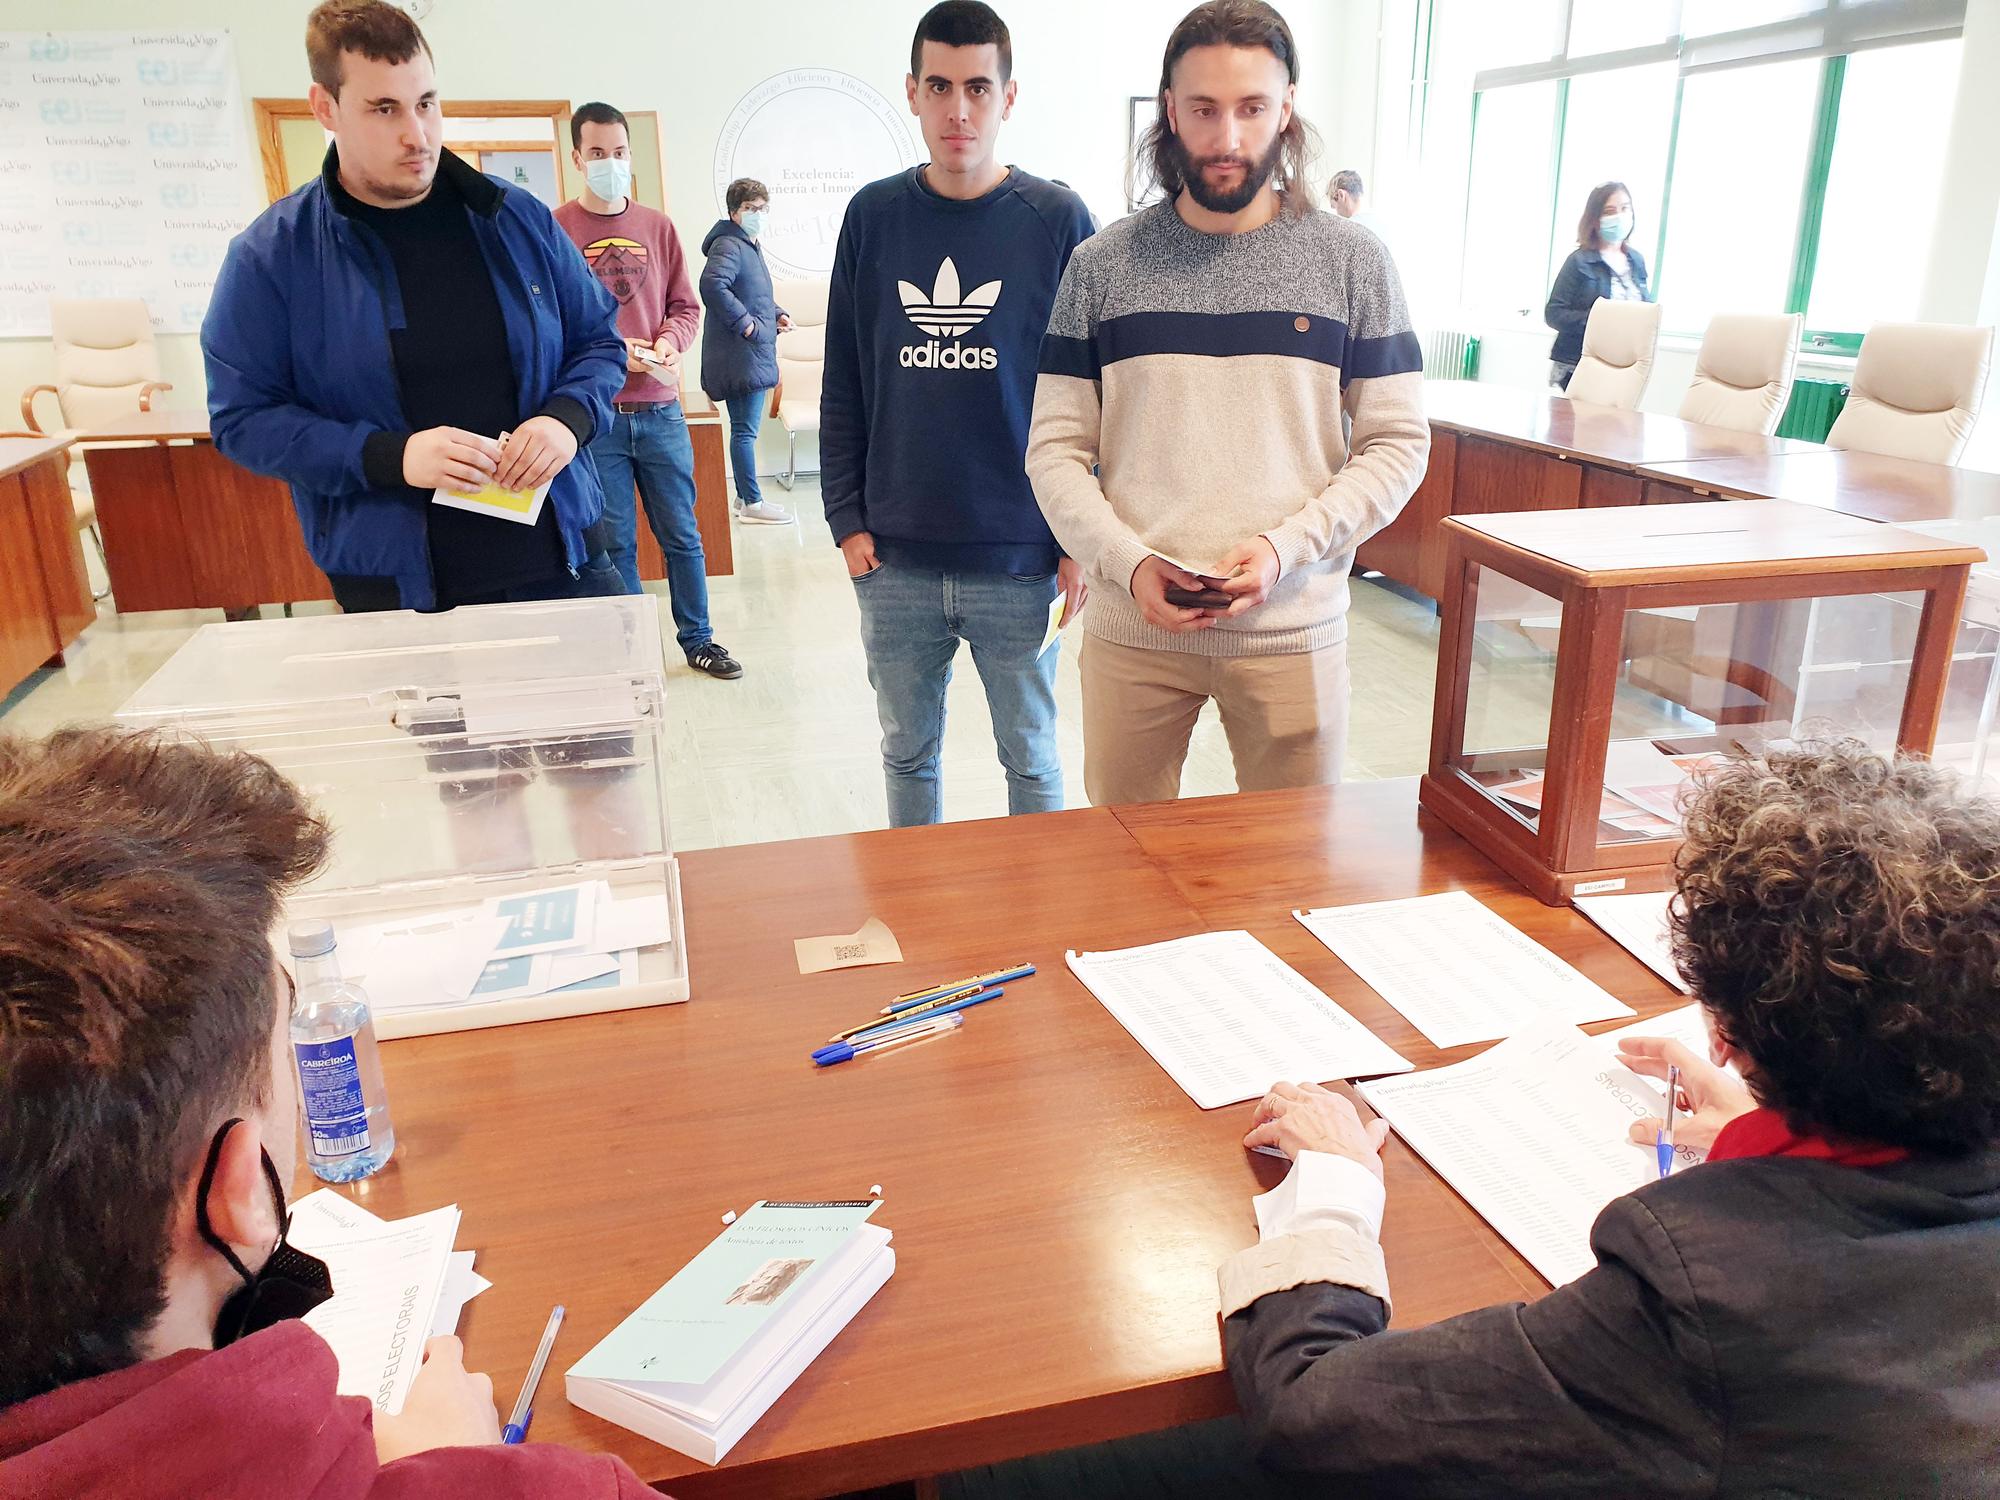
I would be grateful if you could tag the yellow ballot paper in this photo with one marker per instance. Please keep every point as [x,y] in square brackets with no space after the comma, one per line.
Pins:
[874,943]
[524,506]
[1056,607]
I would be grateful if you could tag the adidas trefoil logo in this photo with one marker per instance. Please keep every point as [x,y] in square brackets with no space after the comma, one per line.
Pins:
[944,313]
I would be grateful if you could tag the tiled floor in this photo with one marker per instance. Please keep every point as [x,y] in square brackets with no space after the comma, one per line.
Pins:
[791,749]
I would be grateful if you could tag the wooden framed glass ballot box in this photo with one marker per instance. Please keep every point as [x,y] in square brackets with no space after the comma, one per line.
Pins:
[495,780]
[1590,661]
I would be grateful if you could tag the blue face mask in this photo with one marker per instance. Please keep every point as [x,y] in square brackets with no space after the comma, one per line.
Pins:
[1613,228]
[609,178]
[753,224]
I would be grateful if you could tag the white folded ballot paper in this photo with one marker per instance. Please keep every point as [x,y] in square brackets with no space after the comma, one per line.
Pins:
[1532,1132]
[705,1356]
[396,1283]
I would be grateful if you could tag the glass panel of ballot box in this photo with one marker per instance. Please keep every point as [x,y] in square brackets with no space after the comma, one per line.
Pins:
[494,778]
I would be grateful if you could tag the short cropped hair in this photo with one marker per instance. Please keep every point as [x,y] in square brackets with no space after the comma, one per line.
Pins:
[596,113]
[1838,912]
[1347,181]
[374,29]
[962,23]
[139,882]
[745,190]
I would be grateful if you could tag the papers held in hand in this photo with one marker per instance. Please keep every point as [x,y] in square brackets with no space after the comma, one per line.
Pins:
[521,506]
[705,1356]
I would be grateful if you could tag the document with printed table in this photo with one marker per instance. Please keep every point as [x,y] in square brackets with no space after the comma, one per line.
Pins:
[1227,1018]
[705,1356]
[1532,1132]
[1456,969]
[1638,923]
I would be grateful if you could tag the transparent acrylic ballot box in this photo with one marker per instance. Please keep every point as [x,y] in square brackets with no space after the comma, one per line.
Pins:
[494,777]
[1591,662]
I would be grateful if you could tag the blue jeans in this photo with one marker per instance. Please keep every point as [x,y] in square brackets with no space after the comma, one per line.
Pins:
[912,620]
[652,447]
[746,415]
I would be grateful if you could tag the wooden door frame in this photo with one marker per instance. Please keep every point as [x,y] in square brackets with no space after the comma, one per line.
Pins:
[271,113]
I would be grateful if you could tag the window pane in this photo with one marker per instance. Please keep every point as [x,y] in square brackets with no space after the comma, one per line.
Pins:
[1706,17]
[1738,175]
[1507,207]
[1616,129]
[1613,25]
[1885,185]
[1500,36]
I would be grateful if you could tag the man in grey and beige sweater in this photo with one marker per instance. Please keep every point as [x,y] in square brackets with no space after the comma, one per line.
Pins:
[1188,429]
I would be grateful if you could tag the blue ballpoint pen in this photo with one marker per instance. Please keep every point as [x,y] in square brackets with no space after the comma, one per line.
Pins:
[921,997]
[931,1008]
[930,1026]
[1663,1143]
[890,1027]
[524,1404]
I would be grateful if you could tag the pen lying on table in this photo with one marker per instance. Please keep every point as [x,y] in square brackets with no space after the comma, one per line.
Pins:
[840,1052]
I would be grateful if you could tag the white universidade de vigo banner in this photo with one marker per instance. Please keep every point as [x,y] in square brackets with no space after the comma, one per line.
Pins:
[814,137]
[122,171]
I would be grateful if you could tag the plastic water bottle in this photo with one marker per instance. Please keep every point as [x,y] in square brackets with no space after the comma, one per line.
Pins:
[348,1134]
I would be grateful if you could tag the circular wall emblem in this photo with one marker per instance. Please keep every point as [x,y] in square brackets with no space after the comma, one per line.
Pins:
[814,137]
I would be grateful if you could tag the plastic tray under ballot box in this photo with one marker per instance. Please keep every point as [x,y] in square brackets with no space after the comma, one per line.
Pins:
[494,777]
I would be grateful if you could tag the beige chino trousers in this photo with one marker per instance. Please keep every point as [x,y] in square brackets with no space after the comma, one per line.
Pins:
[1285,716]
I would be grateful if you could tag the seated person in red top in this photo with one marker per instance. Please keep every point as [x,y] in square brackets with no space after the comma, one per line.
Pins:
[1815,1310]
[149,1342]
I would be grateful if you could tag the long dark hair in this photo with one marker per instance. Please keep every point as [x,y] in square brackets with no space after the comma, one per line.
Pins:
[1231,23]
[1593,210]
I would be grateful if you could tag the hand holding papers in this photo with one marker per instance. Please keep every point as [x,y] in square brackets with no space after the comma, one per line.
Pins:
[1226,1017]
[1455,969]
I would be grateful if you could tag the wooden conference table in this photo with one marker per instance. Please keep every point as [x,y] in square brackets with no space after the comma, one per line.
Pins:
[185,528]
[44,592]
[1059,1205]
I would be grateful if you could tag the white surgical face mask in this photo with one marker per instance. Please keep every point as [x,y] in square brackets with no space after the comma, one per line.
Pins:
[753,224]
[609,178]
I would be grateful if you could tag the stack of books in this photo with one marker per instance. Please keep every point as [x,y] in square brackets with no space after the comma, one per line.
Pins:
[705,1356]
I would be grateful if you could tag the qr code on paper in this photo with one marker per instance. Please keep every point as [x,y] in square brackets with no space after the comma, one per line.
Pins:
[845,951]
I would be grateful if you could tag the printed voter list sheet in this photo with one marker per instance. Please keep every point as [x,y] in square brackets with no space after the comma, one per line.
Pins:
[1227,1018]
[1457,970]
[387,1282]
[1638,924]
[1531,1133]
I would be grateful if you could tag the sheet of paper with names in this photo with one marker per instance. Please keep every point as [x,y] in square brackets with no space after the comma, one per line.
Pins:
[1638,923]
[396,1283]
[1227,1018]
[1533,1132]
[1456,970]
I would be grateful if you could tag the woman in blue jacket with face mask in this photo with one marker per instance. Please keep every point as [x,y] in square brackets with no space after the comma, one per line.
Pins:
[739,354]
[1602,265]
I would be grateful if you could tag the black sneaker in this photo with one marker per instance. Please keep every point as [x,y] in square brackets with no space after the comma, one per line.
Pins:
[713,658]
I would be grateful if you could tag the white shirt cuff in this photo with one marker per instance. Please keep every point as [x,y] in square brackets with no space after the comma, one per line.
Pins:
[1322,1191]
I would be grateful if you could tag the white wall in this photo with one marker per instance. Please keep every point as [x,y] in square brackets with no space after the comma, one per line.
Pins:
[1077,63]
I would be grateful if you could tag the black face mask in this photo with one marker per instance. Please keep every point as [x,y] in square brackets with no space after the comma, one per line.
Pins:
[290,1284]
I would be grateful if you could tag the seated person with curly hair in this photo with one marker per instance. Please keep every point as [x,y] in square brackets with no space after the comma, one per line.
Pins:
[1813,1311]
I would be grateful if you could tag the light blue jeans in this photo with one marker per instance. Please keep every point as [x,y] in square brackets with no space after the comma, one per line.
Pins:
[746,415]
[912,620]
[653,448]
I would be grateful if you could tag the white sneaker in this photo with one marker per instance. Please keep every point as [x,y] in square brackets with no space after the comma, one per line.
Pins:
[764,513]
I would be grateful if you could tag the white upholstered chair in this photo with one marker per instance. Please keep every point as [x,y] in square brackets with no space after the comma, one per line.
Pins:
[1915,392]
[107,366]
[801,363]
[1743,372]
[1617,354]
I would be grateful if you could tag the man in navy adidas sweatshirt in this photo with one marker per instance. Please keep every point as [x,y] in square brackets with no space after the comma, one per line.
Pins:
[942,285]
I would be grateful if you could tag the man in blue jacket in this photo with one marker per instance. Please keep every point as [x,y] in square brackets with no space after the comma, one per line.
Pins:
[943,279]
[739,358]
[403,324]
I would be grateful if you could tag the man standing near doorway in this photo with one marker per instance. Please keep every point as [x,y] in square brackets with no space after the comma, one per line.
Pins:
[942,283]
[636,256]
[404,323]
[739,358]
[1189,417]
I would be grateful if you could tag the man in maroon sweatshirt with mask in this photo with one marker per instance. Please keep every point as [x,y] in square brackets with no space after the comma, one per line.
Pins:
[149,1337]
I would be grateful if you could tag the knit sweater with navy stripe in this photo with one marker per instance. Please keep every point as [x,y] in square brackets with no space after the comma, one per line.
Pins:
[1191,395]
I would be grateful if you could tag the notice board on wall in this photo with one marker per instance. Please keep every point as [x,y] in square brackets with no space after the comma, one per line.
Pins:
[124,171]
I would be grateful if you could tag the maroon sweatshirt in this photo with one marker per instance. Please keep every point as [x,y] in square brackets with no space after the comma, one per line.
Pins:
[259,1420]
[637,256]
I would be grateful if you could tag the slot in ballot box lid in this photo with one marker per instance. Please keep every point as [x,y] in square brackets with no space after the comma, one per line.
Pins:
[480,753]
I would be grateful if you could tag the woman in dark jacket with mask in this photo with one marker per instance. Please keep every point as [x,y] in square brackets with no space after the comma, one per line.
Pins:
[1602,265]
[739,354]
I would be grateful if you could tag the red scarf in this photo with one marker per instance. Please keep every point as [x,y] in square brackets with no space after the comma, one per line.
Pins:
[1763,1132]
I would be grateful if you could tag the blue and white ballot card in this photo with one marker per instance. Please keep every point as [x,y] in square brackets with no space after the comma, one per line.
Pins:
[689,1328]
[542,921]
